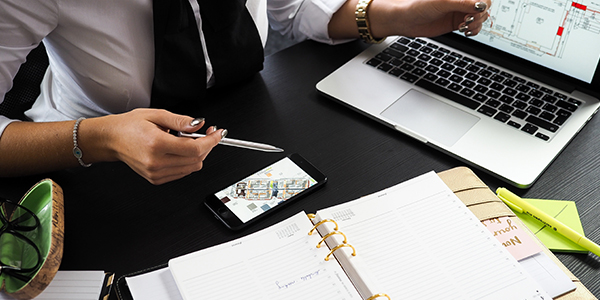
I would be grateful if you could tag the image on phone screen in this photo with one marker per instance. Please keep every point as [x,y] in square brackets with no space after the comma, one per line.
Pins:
[265,189]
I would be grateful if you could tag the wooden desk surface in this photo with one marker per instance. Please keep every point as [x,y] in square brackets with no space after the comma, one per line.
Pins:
[116,221]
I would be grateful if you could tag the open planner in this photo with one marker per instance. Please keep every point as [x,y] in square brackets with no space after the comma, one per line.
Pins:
[415,240]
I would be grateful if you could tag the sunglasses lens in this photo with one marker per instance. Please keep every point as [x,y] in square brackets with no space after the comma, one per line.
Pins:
[18,252]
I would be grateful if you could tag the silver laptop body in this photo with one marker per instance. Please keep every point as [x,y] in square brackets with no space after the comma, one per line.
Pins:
[550,56]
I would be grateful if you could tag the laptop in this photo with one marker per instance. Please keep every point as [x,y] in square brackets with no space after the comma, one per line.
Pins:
[506,101]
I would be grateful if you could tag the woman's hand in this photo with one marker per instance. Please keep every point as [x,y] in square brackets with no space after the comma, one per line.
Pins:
[140,138]
[426,17]
[412,18]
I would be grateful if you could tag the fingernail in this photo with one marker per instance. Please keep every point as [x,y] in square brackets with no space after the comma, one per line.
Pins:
[463,28]
[469,20]
[469,33]
[224,133]
[195,122]
[480,6]
[214,128]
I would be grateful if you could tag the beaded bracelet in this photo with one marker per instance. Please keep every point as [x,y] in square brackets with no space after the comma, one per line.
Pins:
[76,150]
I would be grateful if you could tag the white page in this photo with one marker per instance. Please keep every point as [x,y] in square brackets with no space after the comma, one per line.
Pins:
[280,262]
[66,285]
[158,284]
[420,241]
[548,274]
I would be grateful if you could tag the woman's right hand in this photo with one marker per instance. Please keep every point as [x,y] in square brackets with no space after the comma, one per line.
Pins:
[141,139]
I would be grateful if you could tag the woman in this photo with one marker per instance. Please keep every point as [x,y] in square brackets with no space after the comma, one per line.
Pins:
[112,60]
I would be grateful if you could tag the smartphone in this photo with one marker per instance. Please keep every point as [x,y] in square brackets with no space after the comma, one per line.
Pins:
[262,193]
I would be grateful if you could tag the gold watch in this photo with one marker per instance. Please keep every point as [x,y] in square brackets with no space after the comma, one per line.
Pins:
[363,22]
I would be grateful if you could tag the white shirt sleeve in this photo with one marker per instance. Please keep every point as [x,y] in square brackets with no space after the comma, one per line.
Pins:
[304,19]
[22,27]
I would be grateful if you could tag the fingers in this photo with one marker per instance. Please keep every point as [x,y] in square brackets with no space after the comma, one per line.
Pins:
[158,156]
[178,157]
[473,21]
[171,121]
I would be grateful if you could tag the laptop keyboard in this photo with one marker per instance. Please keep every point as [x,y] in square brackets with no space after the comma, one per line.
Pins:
[505,97]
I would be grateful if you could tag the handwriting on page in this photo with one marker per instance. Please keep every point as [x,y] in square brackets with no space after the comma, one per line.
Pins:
[288,284]
[280,262]
[512,236]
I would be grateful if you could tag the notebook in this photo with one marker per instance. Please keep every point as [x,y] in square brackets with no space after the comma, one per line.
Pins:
[506,101]
[159,283]
[394,244]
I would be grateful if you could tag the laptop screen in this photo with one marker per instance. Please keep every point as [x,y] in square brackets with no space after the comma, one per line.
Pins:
[561,35]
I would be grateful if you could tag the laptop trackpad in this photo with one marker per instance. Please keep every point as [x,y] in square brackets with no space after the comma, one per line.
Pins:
[430,118]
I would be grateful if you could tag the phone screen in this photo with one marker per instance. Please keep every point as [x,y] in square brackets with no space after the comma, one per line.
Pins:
[256,194]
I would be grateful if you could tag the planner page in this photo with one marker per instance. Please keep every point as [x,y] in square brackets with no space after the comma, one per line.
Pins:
[419,241]
[279,262]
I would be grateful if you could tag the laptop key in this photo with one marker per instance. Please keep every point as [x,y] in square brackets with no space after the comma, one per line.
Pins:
[575,101]
[519,114]
[566,105]
[561,116]
[472,104]
[546,116]
[442,81]
[430,77]
[426,50]
[549,107]
[531,129]
[392,52]
[467,92]
[506,99]
[409,77]
[455,87]
[542,136]
[486,110]
[385,67]
[542,123]
[479,97]
[506,108]
[493,94]
[514,124]
[399,47]
[373,62]
[502,117]
[396,72]
[383,57]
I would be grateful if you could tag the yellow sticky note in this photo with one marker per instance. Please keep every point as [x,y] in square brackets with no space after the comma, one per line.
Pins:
[564,211]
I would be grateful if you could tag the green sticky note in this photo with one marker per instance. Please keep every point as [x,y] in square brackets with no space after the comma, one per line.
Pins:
[564,211]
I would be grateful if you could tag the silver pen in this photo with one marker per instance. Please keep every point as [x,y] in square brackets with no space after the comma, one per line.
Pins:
[236,143]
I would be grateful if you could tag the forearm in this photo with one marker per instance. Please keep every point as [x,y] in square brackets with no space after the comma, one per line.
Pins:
[31,148]
[410,17]
[343,23]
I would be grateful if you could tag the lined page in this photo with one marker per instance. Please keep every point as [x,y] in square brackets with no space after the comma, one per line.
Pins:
[79,285]
[420,241]
[280,262]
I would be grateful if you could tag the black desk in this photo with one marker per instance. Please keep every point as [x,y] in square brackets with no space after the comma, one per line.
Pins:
[116,221]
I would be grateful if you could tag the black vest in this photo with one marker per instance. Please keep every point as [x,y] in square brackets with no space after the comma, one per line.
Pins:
[232,41]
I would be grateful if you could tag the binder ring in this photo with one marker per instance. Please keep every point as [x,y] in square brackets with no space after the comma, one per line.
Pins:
[379,295]
[338,247]
[311,216]
[318,224]
[330,234]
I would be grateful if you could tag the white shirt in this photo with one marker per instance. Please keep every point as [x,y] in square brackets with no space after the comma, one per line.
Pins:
[101,52]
